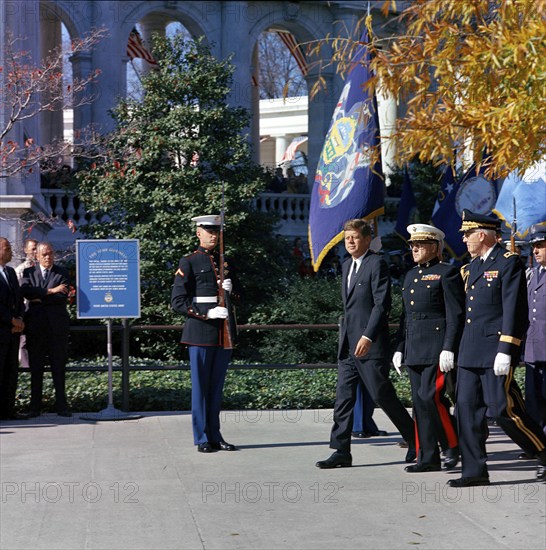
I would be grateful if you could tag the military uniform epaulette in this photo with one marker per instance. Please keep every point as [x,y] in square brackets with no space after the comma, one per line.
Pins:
[508,254]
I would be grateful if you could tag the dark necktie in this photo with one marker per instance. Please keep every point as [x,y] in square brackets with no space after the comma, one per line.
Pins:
[46,275]
[5,276]
[541,272]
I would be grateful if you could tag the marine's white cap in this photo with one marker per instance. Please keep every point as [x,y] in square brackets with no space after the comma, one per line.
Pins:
[424,232]
[212,222]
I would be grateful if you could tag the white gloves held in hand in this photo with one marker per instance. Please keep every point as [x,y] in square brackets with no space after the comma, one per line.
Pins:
[397,361]
[217,313]
[501,366]
[447,361]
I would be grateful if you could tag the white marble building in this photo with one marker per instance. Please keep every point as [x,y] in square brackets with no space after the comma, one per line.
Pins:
[232,27]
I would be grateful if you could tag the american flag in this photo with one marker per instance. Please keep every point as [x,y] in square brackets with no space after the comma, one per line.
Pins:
[295,49]
[290,153]
[136,48]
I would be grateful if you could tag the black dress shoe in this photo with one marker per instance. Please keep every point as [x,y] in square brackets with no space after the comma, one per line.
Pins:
[65,412]
[206,448]
[336,460]
[469,481]
[223,446]
[363,435]
[422,467]
[451,458]
[411,455]
[541,472]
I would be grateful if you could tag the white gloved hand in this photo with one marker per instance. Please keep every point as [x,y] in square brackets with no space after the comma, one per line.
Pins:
[447,360]
[217,313]
[501,366]
[227,285]
[397,361]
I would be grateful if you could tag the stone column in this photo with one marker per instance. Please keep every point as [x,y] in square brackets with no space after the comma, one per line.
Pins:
[51,122]
[151,25]
[281,143]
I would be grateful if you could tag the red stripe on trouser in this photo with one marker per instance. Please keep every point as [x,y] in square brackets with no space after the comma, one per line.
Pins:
[445,419]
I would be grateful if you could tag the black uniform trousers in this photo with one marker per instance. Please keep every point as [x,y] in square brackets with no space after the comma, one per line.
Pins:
[479,389]
[374,373]
[41,345]
[432,412]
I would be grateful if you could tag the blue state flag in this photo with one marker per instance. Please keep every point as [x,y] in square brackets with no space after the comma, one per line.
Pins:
[528,190]
[346,185]
[446,217]
[405,208]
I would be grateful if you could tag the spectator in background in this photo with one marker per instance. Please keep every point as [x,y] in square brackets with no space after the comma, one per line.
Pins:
[11,326]
[46,287]
[29,249]
[278,182]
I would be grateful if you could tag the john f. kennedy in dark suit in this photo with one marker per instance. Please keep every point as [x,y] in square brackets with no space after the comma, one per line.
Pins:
[364,345]
[11,326]
[46,287]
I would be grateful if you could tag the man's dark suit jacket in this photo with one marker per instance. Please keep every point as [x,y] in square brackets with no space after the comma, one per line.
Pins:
[11,302]
[45,311]
[366,307]
[11,305]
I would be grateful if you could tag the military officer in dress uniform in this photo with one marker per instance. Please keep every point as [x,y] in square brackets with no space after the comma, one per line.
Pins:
[195,295]
[535,340]
[430,331]
[496,319]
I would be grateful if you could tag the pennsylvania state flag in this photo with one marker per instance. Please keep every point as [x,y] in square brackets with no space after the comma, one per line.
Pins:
[346,185]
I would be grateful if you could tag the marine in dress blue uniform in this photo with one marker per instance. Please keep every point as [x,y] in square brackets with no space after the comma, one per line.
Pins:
[496,320]
[430,331]
[535,339]
[195,295]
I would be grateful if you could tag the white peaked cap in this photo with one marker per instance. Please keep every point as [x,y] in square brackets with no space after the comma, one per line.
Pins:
[210,222]
[424,232]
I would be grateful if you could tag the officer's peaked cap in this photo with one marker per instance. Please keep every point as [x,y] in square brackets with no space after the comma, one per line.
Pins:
[537,233]
[424,232]
[471,220]
[212,222]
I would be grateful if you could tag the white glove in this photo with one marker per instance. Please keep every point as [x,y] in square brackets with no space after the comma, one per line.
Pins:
[501,366]
[397,361]
[227,285]
[447,360]
[217,313]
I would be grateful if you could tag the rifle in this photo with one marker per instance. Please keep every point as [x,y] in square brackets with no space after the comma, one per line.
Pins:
[229,325]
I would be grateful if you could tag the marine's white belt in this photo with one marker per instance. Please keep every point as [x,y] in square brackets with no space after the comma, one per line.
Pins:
[205,300]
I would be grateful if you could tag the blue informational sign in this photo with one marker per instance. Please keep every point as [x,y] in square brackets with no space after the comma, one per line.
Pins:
[108,278]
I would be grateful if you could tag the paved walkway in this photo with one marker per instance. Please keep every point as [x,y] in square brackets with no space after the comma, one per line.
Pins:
[140,484]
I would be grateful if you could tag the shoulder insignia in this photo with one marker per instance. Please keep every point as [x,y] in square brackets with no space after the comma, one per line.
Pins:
[179,272]
[508,254]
